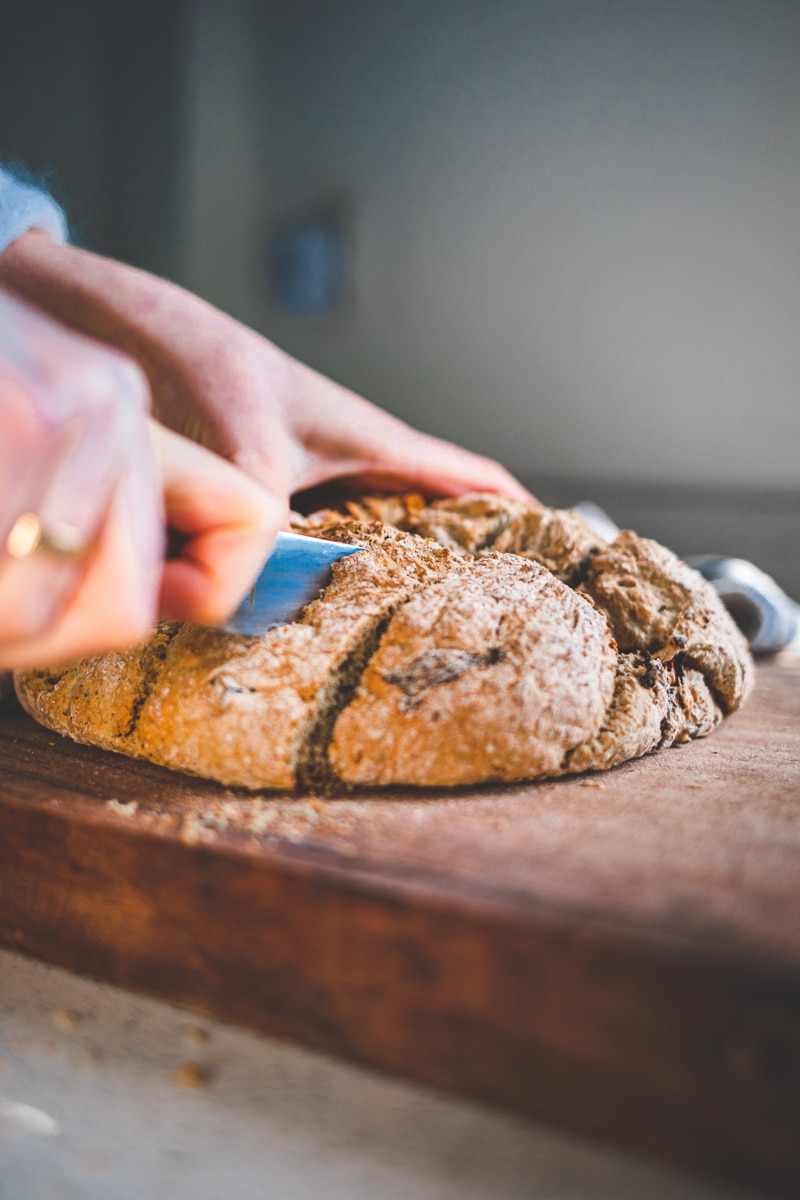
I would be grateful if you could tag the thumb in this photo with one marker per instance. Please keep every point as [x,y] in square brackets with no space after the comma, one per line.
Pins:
[224,524]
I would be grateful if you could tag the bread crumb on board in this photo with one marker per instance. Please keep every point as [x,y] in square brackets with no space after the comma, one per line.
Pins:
[125,808]
[192,1075]
[66,1021]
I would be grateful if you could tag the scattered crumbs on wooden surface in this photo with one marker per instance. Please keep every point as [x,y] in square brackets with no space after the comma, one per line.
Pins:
[214,820]
[192,1075]
[66,1021]
[194,829]
[262,820]
[595,783]
[125,808]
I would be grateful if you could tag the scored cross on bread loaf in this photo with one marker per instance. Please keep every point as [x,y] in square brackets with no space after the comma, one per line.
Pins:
[473,640]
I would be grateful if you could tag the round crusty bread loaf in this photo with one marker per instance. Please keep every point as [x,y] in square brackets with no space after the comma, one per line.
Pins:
[473,640]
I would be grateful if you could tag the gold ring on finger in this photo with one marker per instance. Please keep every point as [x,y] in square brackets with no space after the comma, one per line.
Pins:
[59,539]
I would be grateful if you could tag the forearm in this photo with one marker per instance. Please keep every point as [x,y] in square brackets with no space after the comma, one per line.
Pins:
[198,360]
[231,390]
[108,300]
[149,319]
[211,378]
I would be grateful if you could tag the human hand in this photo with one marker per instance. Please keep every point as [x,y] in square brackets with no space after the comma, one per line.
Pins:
[87,482]
[236,393]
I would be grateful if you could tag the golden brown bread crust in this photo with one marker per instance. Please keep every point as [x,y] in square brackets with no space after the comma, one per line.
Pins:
[654,706]
[655,602]
[491,676]
[443,662]
[237,709]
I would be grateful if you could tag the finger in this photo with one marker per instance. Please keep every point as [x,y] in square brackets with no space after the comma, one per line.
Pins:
[228,524]
[434,466]
[53,609]
[69,409]
[441,469]
[411,460]
[346,436]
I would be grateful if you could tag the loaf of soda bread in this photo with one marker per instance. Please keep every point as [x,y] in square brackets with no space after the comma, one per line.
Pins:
[472,640]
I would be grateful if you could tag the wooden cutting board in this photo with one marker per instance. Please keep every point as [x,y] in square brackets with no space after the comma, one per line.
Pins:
[618,953]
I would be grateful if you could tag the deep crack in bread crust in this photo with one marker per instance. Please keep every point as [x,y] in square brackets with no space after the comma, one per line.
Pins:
[490,676]
[473,640]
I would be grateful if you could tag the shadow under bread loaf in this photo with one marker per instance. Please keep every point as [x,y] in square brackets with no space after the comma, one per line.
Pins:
[473,640]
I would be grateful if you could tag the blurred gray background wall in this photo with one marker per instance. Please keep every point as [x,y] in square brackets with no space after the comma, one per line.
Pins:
[573,227]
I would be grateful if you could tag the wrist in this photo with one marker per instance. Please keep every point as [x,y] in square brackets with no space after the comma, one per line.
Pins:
[24,206]
[95,295]
[146,317]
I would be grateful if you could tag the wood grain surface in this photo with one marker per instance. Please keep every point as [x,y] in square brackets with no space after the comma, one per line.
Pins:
[618,953]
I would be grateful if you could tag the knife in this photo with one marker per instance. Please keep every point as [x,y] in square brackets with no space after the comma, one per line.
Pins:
[293,575]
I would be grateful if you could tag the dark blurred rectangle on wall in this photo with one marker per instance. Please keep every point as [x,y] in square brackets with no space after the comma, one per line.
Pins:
[90,96]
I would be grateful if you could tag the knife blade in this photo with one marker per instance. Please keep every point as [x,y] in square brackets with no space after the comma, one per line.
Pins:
[293,575]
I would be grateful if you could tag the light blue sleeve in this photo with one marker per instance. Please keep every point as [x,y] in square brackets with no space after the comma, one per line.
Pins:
[23,206]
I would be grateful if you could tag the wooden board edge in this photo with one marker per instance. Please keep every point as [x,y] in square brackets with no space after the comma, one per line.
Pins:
[694,1059]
